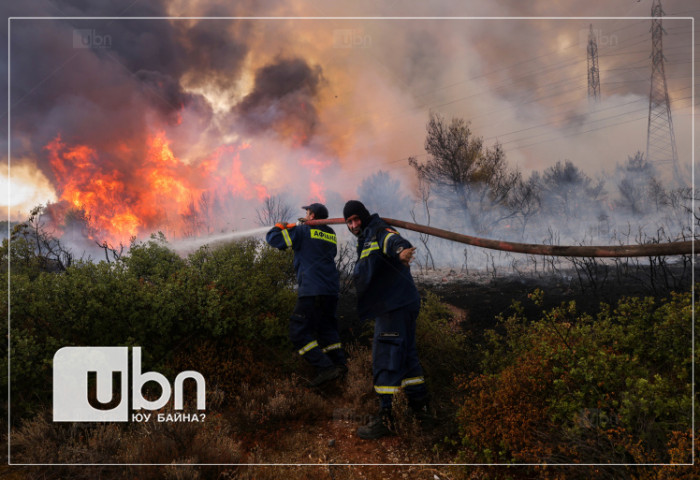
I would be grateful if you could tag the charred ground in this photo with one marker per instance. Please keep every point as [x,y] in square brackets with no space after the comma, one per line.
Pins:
[478,299]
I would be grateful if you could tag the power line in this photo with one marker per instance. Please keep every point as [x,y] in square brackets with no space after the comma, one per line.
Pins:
[593,129]
[552,67]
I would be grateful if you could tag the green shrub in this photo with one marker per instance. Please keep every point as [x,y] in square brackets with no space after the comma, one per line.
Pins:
[443,347]
[153,261]
[243,289]
[150,298]
[570,387]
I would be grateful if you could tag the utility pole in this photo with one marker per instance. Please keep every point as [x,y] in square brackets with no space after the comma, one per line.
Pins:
[661,141]
[593,70]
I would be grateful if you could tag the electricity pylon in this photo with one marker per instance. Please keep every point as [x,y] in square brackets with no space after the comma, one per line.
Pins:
[661,141]
[593,70]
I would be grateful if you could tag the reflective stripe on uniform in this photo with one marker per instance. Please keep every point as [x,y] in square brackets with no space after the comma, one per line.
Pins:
[412,381]
[372,247]
[334,346]
[386,390]
[321,235]
[386,242]
[308,347]
[287,240]
[390,390]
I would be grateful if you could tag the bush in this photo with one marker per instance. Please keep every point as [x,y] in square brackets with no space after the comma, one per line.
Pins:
[571,388]
[276,403]
[443,346]
[153,261]
[243,289]
[149,298]
[359,385]
[42,441]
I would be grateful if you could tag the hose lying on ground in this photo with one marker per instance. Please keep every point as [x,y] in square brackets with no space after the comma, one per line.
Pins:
[644,250]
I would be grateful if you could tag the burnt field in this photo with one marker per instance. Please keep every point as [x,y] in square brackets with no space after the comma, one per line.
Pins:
[477,299]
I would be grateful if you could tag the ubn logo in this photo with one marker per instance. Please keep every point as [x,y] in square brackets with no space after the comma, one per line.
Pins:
[84,38]
[72,366]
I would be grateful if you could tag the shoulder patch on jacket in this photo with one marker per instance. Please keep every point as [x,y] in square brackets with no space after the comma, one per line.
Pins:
[390,230]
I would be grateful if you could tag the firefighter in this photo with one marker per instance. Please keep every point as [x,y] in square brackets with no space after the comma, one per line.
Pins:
[386,293]
[313,326]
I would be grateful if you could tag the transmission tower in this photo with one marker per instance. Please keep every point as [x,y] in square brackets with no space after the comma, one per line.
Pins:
[593,70]
[661,141]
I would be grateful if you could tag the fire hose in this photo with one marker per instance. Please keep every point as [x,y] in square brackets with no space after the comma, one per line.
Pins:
[643,250]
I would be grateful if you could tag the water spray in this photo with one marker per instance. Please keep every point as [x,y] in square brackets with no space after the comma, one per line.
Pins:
[193,243]
[645,250]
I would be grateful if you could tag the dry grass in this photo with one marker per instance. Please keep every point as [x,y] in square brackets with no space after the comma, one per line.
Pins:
[274,420]
[39,440]
[359,389]
[182,442]
[275,403]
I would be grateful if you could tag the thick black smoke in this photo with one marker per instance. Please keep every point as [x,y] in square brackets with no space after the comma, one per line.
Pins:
[283,99]
[103,82]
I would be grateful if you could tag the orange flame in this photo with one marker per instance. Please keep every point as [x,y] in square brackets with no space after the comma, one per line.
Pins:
[161,192]
[316,187]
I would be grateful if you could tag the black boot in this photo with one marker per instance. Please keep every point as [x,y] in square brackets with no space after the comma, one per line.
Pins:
[421,410]
[325,375]
[380,425]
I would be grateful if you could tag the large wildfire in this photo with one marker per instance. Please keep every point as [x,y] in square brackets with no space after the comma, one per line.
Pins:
[162,192]
[189,127]
[189,137]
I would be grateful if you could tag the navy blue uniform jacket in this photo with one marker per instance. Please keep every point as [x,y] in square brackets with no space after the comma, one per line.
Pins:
[383,283]
[314,257]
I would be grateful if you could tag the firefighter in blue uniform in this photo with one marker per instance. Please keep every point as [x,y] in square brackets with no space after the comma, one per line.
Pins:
[386,293]
[313,326]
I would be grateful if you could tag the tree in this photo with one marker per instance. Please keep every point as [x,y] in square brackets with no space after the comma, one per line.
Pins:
[469,176]
[568,192]
[192,220]
[274,210]
[206,210]
[525,200]
[382,193]
[635,184]
[40,244]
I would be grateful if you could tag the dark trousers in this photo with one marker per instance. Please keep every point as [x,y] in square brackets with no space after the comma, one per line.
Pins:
[313,329]
[395,363]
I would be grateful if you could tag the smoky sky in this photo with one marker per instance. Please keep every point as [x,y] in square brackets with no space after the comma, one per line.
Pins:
[520,82]
[99,82]
[283,90]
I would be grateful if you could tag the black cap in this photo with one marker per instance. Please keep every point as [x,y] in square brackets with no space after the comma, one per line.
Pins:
[356,207]
[318,209]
